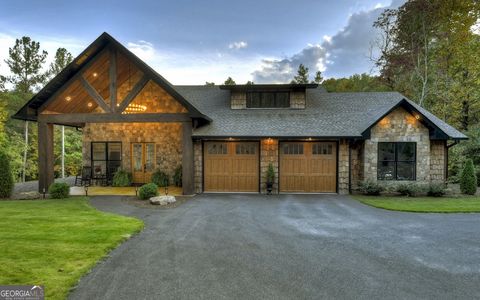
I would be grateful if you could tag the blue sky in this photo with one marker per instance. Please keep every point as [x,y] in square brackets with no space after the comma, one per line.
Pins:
[190,42]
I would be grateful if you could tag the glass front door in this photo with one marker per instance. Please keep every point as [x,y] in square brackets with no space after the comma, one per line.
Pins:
[143,162]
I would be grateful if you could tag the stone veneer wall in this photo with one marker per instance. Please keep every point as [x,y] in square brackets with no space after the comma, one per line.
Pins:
[357,150]
[198,165]
[238,100]
[268,154]
[398,126]
[437,161]
[166,136]
[343,165]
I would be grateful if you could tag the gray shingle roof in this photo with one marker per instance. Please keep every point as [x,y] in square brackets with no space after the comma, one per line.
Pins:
[326,115]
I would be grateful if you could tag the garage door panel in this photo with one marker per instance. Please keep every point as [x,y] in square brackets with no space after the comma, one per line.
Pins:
[233,168]
[308,167]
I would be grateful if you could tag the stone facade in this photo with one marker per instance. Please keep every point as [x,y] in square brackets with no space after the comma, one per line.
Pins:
[297,100]
[238,100]
[357,160]
[343,166]
[437,161]
[268,155]
[398,126]
[166,136]
[198,166]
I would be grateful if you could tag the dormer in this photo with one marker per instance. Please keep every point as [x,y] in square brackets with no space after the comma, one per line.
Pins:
[268,96]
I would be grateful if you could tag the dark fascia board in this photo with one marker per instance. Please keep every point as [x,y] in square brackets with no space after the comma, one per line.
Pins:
[285,138]
[435,132]
[263,87]
[89,53]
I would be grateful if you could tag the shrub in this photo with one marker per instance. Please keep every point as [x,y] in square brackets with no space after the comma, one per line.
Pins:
[410,190]
[436,190]
[6,176]
[59,190]
[121,178]
[370,187]
[177,177]
[270,174]
[147,191]
[160,178]
[468,180]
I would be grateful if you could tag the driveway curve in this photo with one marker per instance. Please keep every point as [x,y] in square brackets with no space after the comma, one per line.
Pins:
[287,247]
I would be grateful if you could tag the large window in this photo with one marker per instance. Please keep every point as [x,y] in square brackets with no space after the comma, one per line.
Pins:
[106,158]
[268,99]
[396,161]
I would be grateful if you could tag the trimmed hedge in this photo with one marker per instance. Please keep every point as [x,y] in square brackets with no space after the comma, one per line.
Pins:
[468,179]
[371,188]
[436,190]
[6,176]
[59,190]
[177,177]
[408,189]
[121,178]
[147,191]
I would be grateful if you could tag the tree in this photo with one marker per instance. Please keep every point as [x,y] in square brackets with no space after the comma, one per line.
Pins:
[62,59]
[25,62]
[468,180]
[6,179]
[209,83]
[302,75]
[250,83]
[229,81]
[318,78]
[355,83]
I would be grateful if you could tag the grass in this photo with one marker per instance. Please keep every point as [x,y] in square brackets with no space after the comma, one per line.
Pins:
[55,242]
[464,204]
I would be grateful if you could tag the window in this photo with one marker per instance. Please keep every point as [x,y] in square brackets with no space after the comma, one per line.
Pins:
[106,157]
[322,149]
[268,99]
[245,149]
[293,148]
[396,161]
[217,148]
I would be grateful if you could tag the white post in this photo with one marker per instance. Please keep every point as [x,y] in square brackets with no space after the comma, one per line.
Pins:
[63,151]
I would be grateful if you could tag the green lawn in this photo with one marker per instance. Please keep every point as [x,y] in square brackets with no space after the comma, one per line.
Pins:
[55,242]
[423,204]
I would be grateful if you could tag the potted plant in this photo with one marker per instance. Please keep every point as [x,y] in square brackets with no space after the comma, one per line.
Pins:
[270,178]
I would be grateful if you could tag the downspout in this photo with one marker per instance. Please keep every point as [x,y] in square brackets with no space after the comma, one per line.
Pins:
[349,167]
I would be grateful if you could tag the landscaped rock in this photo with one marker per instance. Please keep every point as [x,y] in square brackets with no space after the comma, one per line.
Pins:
[27,196]
[162,200]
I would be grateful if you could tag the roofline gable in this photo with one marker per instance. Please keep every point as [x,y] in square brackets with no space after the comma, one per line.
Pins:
[29,110]
[436,132]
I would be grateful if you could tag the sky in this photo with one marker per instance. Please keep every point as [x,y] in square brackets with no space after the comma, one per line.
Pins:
[191,42]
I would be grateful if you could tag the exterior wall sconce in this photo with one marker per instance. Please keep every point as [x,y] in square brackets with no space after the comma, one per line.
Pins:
[44,191]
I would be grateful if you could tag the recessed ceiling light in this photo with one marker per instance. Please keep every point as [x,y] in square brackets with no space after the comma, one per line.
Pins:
[417,117]
[68,98]
[95,74]
[90,104]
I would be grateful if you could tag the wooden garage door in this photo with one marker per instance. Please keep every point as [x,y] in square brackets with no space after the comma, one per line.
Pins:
[231,167]
[308,167]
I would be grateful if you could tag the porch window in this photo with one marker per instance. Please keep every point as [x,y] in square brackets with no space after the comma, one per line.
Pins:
[106,158]
[396,161]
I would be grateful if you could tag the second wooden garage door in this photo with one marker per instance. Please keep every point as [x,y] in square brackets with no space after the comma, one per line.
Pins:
[231,167]
[308,167]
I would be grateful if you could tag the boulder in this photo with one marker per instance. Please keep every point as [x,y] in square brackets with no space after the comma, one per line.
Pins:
[27,196]
[162,200]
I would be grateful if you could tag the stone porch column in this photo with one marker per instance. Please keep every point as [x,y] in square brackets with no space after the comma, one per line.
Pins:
[45,156]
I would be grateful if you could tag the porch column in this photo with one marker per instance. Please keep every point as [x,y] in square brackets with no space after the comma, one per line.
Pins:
[45,156]
[187,159]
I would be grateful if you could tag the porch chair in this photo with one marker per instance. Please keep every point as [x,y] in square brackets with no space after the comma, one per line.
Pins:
[85,176]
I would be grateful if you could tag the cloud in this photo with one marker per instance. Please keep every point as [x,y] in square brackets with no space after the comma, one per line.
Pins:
[142,49]
[342,54]
[238,45]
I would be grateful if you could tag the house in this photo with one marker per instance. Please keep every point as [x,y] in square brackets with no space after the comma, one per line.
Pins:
[225,137]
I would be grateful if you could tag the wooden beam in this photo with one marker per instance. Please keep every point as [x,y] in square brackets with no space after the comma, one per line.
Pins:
[95,95]
[112,118]
[188,181]
[113,79]
[70,81]
[133,93]
[45,156]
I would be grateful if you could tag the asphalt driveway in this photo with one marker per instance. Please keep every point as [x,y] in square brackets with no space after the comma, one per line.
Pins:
[288,247]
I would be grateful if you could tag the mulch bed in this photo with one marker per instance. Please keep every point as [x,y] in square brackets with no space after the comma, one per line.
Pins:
[146,203]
